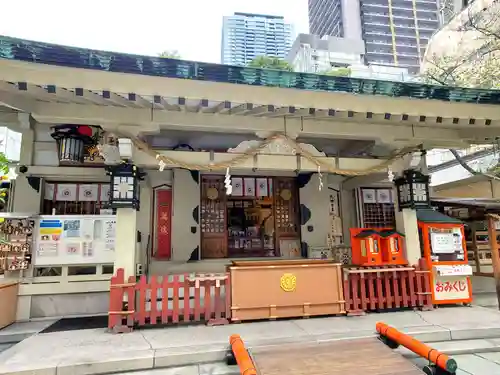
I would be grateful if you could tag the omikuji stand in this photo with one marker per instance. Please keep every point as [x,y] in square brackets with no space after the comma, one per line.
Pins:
[443,246]
[365,244]
[392,244]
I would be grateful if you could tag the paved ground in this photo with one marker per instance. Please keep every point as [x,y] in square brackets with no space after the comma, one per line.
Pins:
[95,351]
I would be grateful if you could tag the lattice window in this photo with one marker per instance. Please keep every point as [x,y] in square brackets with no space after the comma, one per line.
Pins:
[377,208]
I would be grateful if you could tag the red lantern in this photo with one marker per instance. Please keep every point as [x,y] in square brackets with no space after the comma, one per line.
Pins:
[85,130]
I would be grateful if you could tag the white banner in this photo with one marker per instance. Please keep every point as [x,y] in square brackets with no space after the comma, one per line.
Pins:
[384,196]
[237,183]
[66,192]
[249,184]
[49,192]
[104,192]
[262,187]
[369,195]
[88,193]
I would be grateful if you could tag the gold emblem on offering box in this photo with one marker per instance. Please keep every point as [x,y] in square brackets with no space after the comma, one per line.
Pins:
[286,194]
[288,282]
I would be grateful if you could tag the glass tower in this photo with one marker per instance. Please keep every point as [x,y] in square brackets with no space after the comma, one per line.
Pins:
[246,36]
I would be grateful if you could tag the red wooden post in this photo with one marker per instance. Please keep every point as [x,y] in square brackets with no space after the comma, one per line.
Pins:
[142,287]
[197,302]
[175,302]
[411,288]
[116,299]
[347,290]
[187,296]
[395,285]
[387,291]
[362,285]
[355,291]
[380,291]
[217,301]
[404,288]
[353,285]
[164,299]
[208,306]
[370,278]
[154,300]
[131,303]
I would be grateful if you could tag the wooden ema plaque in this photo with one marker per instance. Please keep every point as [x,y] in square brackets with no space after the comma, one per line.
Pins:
[16,244]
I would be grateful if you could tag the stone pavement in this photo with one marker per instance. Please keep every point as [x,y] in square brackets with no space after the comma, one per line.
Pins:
[94,351]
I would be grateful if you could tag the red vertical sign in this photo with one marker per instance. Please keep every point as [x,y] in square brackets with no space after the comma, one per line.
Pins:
[163,224]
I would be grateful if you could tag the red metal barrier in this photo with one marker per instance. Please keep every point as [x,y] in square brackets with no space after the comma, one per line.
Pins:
[386,287]
[441,360]
[168,300]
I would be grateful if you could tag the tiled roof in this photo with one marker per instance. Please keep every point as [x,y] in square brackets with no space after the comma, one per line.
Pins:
[52,54]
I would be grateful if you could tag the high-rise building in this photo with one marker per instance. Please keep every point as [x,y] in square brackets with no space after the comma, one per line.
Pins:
[246,36]
[396,32]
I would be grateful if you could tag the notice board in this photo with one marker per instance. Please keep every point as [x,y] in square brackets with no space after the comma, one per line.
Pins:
[74,239]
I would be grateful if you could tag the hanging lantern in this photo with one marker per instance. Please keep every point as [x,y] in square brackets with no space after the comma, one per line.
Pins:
[413,190]
[72,141]
[124,192]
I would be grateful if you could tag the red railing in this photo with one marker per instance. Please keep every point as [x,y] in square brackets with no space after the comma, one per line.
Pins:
[169,299]
[386,287]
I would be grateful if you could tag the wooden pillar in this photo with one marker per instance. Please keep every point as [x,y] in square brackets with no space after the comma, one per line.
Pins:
[495,258]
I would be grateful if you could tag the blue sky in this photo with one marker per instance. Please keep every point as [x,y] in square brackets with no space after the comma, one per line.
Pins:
[193,27]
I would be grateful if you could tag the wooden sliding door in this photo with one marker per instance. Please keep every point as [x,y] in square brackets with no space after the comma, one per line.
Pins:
[213,217]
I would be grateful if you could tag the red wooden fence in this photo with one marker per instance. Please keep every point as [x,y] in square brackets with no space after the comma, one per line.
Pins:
[390,287]
[168,300]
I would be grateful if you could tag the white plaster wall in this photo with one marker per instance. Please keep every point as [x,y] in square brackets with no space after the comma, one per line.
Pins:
[26,199]
[58,305]
[316,201]
[348,207]
[44,147]
[186,197]
[144,221]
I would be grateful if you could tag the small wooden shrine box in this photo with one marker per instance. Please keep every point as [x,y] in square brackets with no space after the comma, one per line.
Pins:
[365,243]
[391,242]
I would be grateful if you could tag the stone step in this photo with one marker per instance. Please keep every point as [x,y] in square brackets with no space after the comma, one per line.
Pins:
[459,349]
[463,339]
[4,347]
[17,332]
